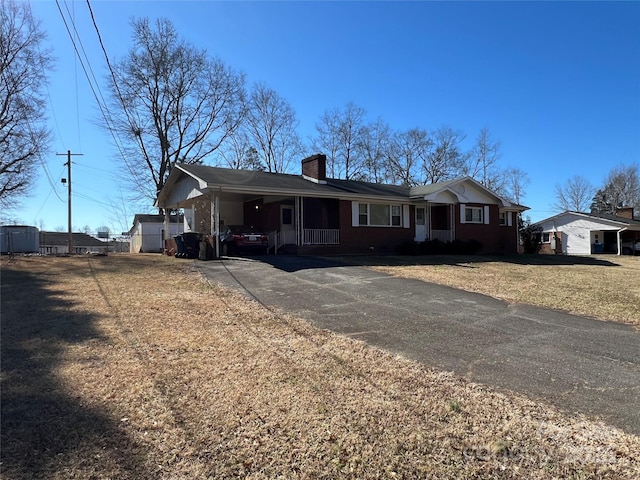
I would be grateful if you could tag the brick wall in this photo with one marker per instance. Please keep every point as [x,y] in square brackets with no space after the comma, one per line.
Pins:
[495,239]
[378,240]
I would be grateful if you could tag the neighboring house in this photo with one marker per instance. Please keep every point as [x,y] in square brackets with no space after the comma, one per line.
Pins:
[311,213]
[57,243]
[147,233]
[575,233]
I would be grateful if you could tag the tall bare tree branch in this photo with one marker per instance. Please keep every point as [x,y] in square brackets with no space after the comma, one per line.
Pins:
[173,103]
[24,136]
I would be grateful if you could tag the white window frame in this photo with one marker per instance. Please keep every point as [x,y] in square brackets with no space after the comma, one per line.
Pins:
[548,235]
[398,215]
[479,210]
[506,219]
[363,214]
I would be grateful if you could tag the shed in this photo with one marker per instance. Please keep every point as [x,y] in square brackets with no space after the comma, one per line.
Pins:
[18,239]
[147,233]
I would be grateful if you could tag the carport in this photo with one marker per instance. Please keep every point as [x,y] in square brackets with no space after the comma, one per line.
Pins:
[576,233]
[289,208]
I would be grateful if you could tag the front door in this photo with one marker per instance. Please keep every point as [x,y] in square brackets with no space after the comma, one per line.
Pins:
[421,224]
[287,224]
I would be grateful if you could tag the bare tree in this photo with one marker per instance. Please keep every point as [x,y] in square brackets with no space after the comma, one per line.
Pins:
[327,140]
[514,184]
[575,195]
[271,129]
[341,135]
[406,155]
[24,136]
[482,162]
[239,154]
[122,211]
[173,102]
[351,133]
[376,138]
[444,159]
[621,189]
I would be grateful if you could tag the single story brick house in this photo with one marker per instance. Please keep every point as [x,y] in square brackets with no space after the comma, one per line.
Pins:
[577,233]
[312,214]
[148,232]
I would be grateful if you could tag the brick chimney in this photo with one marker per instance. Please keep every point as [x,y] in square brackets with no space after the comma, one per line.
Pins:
[314,168]
[625,212]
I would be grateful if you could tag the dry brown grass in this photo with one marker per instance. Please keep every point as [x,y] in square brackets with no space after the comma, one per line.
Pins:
[604,287]
[135,367]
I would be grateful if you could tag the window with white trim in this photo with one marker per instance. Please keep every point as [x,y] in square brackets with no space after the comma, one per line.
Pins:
[363,214]
[546,237]
[396,215]
[473,215]
[379,215]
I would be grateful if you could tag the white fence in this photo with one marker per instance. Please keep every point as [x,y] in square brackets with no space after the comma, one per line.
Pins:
[310,236]
[320,236]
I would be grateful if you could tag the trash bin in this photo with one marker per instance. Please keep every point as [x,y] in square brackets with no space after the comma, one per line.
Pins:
[191,242]
[597,248]
[181,252]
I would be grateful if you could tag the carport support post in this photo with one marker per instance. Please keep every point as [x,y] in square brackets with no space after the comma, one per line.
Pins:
[620,240]
[167,233]
[215,221]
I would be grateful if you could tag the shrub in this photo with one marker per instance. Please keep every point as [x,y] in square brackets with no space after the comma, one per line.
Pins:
[529,235]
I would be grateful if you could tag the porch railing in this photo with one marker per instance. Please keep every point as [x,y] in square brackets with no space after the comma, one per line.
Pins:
[442,235]
[278,239]
[320,236]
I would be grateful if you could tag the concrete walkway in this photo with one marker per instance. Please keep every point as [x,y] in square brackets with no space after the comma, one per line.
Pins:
[577,364]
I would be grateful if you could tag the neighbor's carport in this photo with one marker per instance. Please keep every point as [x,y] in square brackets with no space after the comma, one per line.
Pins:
[587,233]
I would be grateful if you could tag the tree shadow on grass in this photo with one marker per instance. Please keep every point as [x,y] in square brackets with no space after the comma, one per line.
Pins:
[46,431]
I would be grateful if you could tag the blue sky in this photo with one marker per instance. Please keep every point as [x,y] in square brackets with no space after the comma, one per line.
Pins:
[558,84]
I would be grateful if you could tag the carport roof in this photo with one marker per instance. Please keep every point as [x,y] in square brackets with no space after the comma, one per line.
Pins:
[616,218]
[622,222]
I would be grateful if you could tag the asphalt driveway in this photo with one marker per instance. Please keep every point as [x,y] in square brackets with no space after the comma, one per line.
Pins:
[577,364]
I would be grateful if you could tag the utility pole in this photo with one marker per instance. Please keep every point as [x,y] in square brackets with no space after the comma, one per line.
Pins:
[68,164]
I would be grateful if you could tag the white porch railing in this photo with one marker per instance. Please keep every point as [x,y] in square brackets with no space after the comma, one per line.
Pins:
[442,235]
[278,239]
[320,236]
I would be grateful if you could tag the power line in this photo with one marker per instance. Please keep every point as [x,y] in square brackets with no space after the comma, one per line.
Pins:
[116,86]
[99,98]
[102,105]
[84,52]
[45,200]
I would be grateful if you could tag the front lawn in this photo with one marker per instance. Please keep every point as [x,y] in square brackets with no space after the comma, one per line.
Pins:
[135,367]
[605,286]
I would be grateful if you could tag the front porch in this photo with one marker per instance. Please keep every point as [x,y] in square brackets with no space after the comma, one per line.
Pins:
[307,237]
[287,221]
[434,222]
